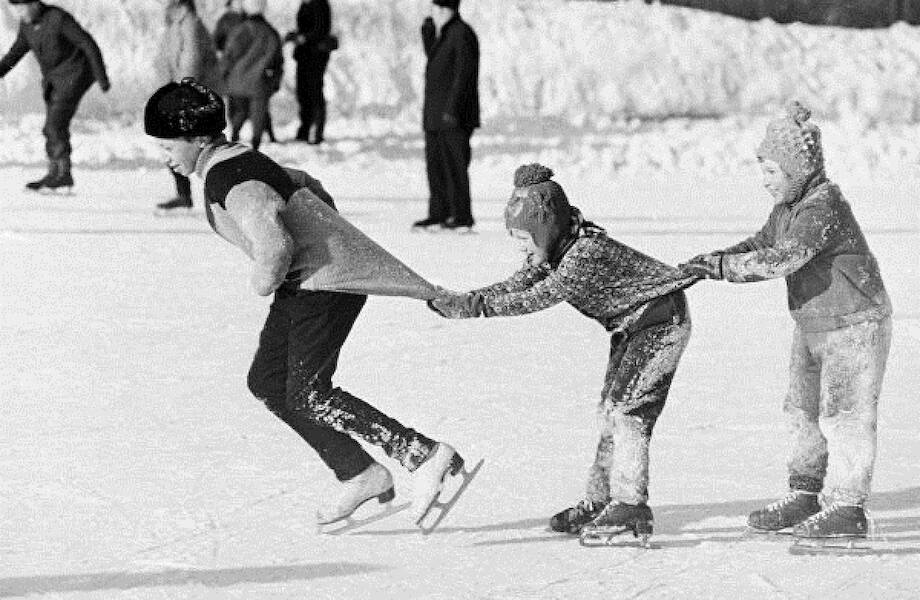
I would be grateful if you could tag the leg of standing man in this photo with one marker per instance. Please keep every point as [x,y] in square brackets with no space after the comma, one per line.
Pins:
[438,209]
[258,110]
[456,154]
[60,107]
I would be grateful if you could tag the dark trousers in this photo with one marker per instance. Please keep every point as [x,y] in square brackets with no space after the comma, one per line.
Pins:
[60,107]
[447,157]
[311,70]
[253,108]
[292,373]
[183,185]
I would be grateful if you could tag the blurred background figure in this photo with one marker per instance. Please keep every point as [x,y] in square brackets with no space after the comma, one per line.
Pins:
[70,61]
[449,115]
[251,66]
[187,50]
[313,42]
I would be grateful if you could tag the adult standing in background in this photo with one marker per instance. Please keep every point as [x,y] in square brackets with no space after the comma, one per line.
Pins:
[187,50]
[450,114]
[313,43]
[70,61]
[251,65]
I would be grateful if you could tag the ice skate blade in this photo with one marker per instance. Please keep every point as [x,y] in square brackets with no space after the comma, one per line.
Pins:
[834,546]
[444,507]
[609,536]
[350,523]
[173,212]
[46,191]
[778,535]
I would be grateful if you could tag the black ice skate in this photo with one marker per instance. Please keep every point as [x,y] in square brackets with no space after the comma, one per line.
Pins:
[837,529]
[777,517]
[571,520]
[618,518]
[429,225]
[430,493]
[57,183]
[375,482]
[174,207]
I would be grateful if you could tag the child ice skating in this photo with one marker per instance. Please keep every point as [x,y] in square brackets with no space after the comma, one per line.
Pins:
[260,207]
[635,297]
[842,331]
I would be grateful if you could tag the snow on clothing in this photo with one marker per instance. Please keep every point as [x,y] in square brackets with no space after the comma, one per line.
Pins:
[640,300]
[832,278]
[304,332]
[842,334]
[187,50]
[70,61]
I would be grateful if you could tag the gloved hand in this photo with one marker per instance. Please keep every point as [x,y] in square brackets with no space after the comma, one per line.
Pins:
[456,305]
[704,265]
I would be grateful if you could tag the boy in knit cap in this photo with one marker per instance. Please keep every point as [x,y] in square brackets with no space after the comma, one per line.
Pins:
[260,207]
[633,296]
[842,330]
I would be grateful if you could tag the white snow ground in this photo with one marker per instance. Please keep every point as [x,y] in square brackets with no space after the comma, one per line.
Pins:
[135,464]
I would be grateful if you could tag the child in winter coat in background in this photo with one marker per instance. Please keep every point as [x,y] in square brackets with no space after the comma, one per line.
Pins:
[842,330]
[635,297]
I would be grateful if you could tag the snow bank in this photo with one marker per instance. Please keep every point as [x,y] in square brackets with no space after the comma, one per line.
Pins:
[582,63]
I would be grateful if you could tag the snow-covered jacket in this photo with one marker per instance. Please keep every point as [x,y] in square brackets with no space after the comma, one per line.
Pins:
[602,278]
[252,63]
[832,278]
[67,55]
[187,50]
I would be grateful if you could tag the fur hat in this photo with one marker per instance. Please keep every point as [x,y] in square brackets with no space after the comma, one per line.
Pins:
[795,144]
[543,210]
[184,109]
[454,4]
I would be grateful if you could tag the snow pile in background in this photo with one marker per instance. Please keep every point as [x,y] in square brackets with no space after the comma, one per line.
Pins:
[586,64]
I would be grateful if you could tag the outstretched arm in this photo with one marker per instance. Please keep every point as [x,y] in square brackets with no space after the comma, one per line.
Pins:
[17,51]
[256,207]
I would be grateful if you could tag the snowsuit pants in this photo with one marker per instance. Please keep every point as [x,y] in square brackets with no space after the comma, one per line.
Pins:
[61,104]
[639,374]
[311,70]
[255,109]
[292,373]
[447,157]
[835,378]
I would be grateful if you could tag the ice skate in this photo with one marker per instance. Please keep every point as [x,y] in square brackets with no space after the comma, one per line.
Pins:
[838,529]
[175,207]
[778,517]
[462,227]
[429,492]
[428,225]
[618,518]
[571,520]
[374,482]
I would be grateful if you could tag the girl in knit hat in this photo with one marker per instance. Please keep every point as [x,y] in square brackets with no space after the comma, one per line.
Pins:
[635,297]
[842,330]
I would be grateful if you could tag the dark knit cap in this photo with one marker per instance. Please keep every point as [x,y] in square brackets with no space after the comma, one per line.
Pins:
[184,109]
[543,210]
[454,4]
[22,1]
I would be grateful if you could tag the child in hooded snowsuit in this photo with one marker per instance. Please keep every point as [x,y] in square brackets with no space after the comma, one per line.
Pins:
[635,297]
[842,330]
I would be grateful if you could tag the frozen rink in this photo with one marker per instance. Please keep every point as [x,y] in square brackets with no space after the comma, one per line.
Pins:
[135,464]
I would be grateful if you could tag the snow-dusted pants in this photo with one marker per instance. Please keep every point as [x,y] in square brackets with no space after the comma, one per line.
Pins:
[832,407]
[639,374]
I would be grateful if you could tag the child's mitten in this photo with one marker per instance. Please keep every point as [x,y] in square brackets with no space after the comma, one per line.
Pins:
[704,265]
[457,306]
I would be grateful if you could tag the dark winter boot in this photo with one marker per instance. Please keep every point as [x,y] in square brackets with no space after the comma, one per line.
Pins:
[40,183]
[619,517]
[62,177]
[794,507]
[176,205]
[572,519]
[835,521]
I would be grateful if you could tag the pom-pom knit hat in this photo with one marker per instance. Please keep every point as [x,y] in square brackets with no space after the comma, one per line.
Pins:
[184,109]
[794,143]
[538,206]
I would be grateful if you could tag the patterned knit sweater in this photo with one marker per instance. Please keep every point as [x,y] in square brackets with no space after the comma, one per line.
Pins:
[602,278]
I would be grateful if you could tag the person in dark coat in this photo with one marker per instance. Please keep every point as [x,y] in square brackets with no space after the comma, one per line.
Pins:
[70,61]
[450,114]
[251,65]
[313,44]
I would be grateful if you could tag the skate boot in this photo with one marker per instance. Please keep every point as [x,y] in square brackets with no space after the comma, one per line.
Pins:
[61,180]
[175,206]
[430,224]
[443,462]
[794,507]
[572,519]
[836,529]
[617,518]
[38,184]
[373,482]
